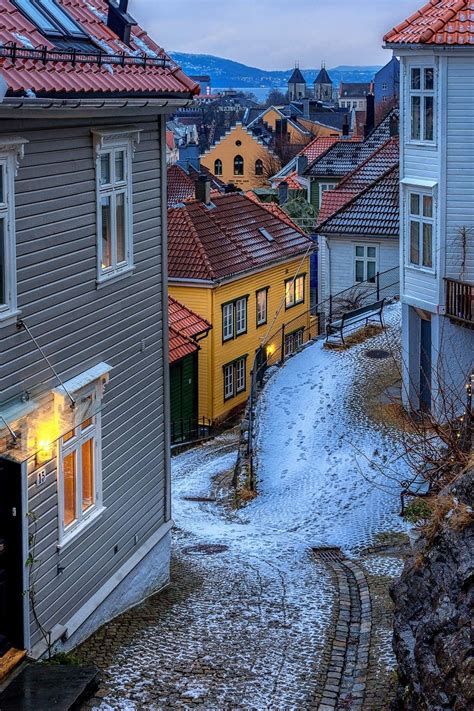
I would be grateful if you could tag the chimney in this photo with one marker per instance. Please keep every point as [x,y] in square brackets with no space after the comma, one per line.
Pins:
[203,189]
[394,126]
[305,103]
[301,164]
[119,21]
[283,192]
[346,127]
[370,119]
[231,188]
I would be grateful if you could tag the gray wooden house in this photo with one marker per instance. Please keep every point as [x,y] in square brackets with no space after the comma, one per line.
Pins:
[84,381]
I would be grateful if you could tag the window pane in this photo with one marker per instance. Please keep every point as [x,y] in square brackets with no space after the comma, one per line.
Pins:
[241,315]
[240,372]
[299,290]
[106,233]
[3,266]
[37,17]
[414,242]
[86,424]
[68,436]
[261,307]
[414,204]
[371,252]
[69,483]
[416,118]
[87,474]
[371,272]
[359,270]
[429,126]
[228,321]
[119,166]
[427,206]
[289,293]
[429,79]
[105,169]
[238,165]
[359,251]
[228,381]
[416,79]
[120,227]
[427,245]
[60,16]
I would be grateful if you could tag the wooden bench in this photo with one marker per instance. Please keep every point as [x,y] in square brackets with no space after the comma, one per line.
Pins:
[350,318]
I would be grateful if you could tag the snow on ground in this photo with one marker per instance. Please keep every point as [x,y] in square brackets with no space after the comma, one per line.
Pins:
[246,628]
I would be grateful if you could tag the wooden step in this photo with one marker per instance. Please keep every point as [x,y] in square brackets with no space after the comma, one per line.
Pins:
[9,661]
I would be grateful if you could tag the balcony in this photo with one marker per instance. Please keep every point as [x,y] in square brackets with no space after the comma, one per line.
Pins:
[460,301]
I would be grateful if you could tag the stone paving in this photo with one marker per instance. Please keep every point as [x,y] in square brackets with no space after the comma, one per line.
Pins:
[253,619]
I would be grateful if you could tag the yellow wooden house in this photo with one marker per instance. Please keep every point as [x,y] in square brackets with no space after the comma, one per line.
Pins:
[244,267]
[241,158]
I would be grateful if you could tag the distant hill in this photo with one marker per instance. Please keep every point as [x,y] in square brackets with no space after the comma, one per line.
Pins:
[226,73]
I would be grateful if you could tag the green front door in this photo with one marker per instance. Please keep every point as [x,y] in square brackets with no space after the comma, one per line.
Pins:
[184,398]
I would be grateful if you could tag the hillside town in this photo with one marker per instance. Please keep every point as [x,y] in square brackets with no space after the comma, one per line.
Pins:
[236,372]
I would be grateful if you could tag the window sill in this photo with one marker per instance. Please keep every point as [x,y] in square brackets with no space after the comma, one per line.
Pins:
[9,318]
[71,536]
[103,281]
[293,306]
[422,144]
[423,270]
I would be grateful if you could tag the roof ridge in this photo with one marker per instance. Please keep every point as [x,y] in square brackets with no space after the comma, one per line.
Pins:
[349,203]
[378,150]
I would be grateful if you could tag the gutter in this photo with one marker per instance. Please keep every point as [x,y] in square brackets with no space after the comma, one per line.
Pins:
[117,103]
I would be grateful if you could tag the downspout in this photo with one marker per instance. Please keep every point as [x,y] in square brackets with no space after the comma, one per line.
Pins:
[164,292]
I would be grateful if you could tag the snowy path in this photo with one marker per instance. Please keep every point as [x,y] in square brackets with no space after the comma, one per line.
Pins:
[246,629]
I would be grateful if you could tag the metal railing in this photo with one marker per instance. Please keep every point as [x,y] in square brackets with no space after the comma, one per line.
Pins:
[190,430]
[14,52]
[293,334]
[460,300]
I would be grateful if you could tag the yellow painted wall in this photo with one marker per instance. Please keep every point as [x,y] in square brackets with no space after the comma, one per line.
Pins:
[271,116]
[251,150]
[214,354]
[318,129]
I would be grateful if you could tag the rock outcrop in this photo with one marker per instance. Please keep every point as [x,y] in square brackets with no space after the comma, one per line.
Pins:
[433,636]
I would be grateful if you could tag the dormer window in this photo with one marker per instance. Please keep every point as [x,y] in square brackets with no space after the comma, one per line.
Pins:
[51,19]
[422,104]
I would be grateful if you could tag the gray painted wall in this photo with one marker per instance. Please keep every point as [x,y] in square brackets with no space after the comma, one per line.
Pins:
[79,325]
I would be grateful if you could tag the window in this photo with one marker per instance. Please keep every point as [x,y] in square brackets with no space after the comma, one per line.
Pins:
[235,378]
[365,264]
[11,150]
[422,104]
[294,291]
[322,189]
[262,306]
[259,167]
[384,86]
[421,222]
[50,18]
[218,167]
[234,318]
[294,341]
[238,165]
[114,211]
[79,470]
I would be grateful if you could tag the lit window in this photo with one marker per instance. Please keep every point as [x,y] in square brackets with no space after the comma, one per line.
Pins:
[50,18]
[234,319]
[422,104]
[421,222]
[114,213]
[262,301]
[79,470]
[218,167]
[365,264]
[323,188]
[294,291]
[235,378]
[238,165]
[259,167]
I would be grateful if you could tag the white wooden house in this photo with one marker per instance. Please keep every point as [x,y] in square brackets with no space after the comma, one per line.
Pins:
[436,48]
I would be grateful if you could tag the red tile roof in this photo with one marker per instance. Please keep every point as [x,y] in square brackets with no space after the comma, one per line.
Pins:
[317,147]
[184,327]
[180,185]
[218,242]
[159,76]
[438,22]
[291,179]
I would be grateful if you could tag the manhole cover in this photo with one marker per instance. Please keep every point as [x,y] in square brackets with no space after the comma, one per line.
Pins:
[200,499]
[377,354]
[206,548]
[327,553]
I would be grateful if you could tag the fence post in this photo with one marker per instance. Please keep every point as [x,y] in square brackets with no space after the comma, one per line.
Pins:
[283,343]
[330,308]
[378,285]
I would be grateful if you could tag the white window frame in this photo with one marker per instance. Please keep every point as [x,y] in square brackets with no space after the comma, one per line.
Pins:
[74,445]
[241,316]
[11,151]
[228,322]
[421,219]
[290,291]
[262,314]
[110,142]
[294,341]
[324,187]
[366,260]
[235,378]
[422,93]
[234,319]
[240,375]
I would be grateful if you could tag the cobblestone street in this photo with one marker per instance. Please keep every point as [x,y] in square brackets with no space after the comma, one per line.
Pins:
[254,618]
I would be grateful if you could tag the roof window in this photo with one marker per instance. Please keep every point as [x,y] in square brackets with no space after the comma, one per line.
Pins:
[266,234]
[50,18]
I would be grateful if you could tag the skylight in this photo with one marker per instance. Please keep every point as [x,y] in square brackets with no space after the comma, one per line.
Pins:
[266,234]
[50,18]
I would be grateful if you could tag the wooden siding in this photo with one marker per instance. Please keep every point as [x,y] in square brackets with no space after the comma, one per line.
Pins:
[341,254]
[79,325]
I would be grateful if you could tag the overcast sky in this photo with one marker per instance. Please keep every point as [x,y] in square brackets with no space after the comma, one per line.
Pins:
[273,34]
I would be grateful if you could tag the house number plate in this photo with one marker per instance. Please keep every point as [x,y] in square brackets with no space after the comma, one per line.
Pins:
[40,477]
